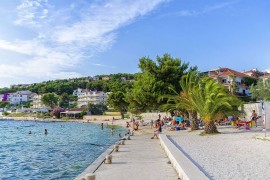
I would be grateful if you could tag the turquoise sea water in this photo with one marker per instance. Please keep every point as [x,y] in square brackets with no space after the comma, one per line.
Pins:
[63,153]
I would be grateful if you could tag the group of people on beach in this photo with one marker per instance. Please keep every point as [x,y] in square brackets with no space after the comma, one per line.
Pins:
[239,122]
[253,118]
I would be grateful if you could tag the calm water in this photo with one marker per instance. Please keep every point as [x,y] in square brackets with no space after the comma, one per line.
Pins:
[62,154]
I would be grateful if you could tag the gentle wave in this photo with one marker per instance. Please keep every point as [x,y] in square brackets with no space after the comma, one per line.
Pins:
[62,154]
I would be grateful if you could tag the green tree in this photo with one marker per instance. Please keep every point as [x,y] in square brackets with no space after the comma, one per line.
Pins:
[261,91]
[183,100]
[64,100]
[118,102]
[210,99]
[49,99]
[144,94]
[96,109]
[156,79]
[206,97]
[4,104]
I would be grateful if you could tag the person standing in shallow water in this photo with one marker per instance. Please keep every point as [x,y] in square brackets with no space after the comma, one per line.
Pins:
[46,131]
[101,125]
[112,131]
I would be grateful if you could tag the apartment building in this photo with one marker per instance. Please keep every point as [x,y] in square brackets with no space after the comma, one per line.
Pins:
[93,97]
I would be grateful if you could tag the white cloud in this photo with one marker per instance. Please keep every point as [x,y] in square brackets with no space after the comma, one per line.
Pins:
[97,64]
[204,10]
[30,12]
[66,36]
[267,70]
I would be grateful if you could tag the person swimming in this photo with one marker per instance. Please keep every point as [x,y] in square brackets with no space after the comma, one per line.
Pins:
[112,131]
[30,132]
[119,136]
[46,131]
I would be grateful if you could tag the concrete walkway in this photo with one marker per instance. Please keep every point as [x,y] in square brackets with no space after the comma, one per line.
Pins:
[140,158]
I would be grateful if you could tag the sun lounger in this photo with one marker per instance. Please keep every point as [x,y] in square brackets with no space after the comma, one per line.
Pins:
[243,123]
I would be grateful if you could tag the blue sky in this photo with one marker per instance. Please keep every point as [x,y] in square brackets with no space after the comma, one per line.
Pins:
[48,39]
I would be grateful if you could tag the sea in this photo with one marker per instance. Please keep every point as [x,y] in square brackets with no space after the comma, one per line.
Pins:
[63,153]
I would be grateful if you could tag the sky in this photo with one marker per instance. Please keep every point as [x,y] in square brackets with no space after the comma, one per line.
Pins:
[44,40]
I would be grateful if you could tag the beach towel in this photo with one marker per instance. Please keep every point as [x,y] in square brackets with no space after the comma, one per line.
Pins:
[179,119]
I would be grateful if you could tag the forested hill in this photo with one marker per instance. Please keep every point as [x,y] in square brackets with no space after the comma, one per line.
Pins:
[123,80]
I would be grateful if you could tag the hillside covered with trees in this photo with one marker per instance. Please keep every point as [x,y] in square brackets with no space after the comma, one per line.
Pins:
[68,85]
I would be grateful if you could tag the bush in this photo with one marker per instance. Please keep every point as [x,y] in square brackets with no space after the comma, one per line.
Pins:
[65,118]
[126,116]
[43,115]
[56,112]
[5,113]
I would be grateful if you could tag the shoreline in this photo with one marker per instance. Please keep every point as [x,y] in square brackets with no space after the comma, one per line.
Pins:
[119,122]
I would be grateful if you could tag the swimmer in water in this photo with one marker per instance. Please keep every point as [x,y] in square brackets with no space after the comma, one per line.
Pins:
[46,131]
[119,136]
[30,132]
[112,131]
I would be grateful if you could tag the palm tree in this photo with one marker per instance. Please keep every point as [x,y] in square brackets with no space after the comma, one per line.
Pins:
[188,83]
[211,101]
[183,100]
[205,97]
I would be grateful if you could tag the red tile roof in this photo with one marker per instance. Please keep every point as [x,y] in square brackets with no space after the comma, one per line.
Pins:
[227,72]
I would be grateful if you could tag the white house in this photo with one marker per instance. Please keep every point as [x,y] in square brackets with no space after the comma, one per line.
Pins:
[95,78]
[233,80]
[105,78]
[36,102]
[79,91]
[123,78]
[93,97]
[18,97]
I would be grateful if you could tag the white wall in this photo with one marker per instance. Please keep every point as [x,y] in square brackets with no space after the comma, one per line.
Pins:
[258,108]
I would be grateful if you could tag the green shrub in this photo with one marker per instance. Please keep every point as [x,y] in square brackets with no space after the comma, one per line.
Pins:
[65,118]
[5,113]
[126,116]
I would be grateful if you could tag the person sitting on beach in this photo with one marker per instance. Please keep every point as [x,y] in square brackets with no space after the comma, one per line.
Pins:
[127,125]
[157,131]
[239,123]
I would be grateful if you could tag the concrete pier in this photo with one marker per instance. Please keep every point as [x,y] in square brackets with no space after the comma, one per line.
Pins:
[140,158]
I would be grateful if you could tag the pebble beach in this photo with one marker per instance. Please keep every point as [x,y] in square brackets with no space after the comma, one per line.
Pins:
[232,154]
